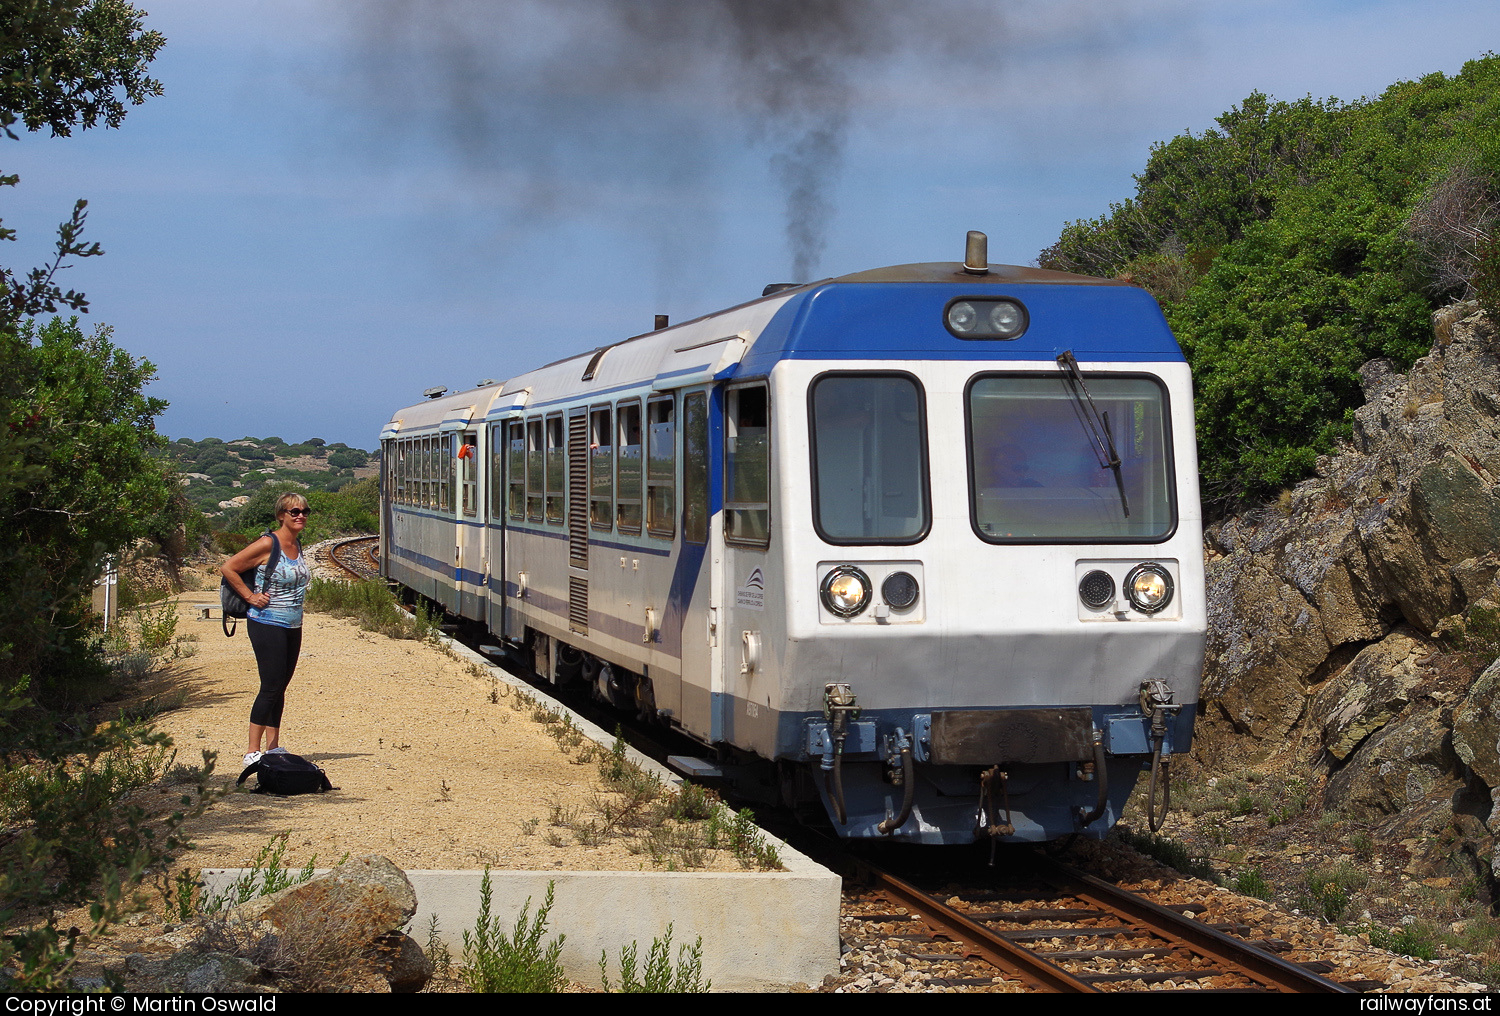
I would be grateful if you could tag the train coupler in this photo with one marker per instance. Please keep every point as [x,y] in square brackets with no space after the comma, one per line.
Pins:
[992,778]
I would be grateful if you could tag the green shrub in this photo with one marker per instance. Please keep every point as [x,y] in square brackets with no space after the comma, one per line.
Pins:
[76,838]
[374,606]
[265,874]
[1416,940]
[1252,883]
[496,962]
[659,977]
[1330,889]
[1169,852]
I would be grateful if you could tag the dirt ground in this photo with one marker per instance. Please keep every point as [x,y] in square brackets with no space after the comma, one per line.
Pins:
[430,771]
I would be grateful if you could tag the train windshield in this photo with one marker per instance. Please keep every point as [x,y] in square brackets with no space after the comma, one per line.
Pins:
[1036,468]
[869,459]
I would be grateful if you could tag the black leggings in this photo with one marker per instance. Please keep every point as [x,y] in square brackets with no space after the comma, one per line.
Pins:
[276,650]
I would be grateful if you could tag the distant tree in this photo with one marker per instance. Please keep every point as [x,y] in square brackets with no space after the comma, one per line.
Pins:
[347,459]
[316,442]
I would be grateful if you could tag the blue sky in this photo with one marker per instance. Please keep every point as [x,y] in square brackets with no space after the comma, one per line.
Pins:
[318,220]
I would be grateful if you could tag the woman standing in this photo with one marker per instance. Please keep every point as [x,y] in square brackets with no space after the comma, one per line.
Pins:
[274,622]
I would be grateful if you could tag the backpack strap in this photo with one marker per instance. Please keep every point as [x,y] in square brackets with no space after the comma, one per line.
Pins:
[271,562]
[274,559]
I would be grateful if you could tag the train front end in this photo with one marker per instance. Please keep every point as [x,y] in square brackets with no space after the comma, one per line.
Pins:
[989,615]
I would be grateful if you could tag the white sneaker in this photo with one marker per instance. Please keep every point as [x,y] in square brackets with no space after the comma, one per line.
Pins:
[252,757]
[278,750]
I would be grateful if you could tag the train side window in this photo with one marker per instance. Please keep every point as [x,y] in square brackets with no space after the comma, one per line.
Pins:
[557,469]
[536,470]
[628,467]
[448,462]
[516,449]
[601,468]
[468,471]
[426,445]
[405,471]
[869,452]
[695,468]
[415,468]
[495,479]
[747,466]
[661,468]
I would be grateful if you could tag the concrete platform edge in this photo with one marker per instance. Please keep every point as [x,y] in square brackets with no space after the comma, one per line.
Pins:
[761,931]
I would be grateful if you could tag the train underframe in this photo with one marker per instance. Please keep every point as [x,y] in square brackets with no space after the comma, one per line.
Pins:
[926,778]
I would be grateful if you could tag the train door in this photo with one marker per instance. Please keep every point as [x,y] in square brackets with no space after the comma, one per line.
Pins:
[747,620]
[497,483]
[468,549]
[388,467]
[696,582]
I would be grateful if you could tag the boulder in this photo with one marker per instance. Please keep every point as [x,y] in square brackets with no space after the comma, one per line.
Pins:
[345,924]
[1476,735]
[1323,606]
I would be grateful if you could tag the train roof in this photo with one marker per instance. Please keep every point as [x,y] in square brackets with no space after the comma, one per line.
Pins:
[894,313]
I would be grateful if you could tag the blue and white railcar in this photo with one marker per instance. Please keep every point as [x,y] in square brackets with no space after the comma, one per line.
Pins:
[927,538]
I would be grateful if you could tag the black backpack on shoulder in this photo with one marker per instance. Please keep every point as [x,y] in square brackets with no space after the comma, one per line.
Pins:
[284,773]
[232,604]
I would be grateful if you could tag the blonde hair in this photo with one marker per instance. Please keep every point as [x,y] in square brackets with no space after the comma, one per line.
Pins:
[290,500]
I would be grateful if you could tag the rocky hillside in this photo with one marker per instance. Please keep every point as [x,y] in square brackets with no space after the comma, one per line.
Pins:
[1353,622]
[221,474]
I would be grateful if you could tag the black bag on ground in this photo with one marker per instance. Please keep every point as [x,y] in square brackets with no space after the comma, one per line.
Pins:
[231,603]
[284,773]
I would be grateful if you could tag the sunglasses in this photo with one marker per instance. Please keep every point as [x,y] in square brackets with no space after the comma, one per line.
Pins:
[298,511]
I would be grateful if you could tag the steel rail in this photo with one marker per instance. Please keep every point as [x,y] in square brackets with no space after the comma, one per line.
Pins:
[1022,964]
[335,548]
[1261,966]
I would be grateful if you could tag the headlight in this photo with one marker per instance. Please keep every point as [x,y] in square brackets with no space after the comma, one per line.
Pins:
[899,590]
[962,318]
[1096,589]
[975,318]
[1149,588]
[1005,318]
[846,591]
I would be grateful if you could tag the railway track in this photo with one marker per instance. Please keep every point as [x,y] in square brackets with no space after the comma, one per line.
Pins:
[1047,927]
[355,557]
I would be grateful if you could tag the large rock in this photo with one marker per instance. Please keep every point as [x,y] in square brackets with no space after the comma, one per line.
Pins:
[1322,606]
[1374,689]
[344,924]
[1476,735]
[1403,766]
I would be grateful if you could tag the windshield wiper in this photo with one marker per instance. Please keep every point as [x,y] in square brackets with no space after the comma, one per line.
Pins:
[1095,422]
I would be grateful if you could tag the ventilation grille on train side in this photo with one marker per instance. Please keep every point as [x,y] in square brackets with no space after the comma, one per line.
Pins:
[578,605]
[578,493]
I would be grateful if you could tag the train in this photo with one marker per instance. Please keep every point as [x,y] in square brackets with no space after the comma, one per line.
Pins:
[915,551]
